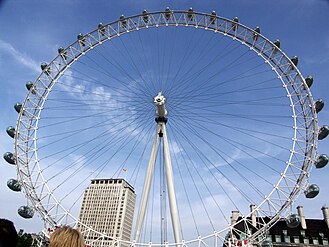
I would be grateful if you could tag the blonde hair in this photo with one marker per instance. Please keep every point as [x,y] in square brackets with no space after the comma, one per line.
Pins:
[66,237]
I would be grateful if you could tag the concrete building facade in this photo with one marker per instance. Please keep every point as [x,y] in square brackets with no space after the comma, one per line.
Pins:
[107,207]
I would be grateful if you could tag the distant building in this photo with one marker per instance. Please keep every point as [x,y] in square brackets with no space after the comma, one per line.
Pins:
[108,207]
[310,232]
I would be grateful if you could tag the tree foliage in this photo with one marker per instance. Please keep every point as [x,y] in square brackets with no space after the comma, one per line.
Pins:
[25,240]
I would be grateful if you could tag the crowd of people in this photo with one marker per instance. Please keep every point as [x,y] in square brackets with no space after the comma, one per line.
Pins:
[64,236]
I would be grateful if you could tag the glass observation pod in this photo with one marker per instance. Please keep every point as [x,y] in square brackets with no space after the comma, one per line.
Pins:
[123,21]
[10,158]
[319,104]
[321,161]
[62,51]
[81,39]
[11,131]
[14,185]
[190,14]
[312,191]
[277,43]
[45,68]
[256,33]
[213,17]
[29,86]
[293,220]
[26,212]
[309,80]
[168,13]
[323,132]
[145,16]
[235,23]
[294,60]
[18,107]
[101,29]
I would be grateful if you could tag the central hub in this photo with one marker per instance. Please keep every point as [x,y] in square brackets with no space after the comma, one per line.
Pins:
[161,111]
[160,101]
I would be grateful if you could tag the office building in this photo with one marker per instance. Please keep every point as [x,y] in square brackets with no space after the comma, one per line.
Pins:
[107,207]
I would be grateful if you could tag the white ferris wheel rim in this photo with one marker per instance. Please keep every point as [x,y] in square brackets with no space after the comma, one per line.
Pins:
[298,93]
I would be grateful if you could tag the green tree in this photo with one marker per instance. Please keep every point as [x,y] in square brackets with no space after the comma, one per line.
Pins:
[25,240]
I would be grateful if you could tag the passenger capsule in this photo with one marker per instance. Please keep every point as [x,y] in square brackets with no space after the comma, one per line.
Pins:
[312,191]
[29,86]
[123,21]
[323,132]
[321,161]
[14,185]
[62,52]
[11,131]
[293,220]
[319,104]
[81,39]
[45,68]
[26,212]
[101,29]
[267,243]
[294,60]
[168,13]
[213,17]
[10,158]
[256,33]
[18,107]
[145,16]
[190,14]
[277,43]
[276,46]
[235,23]
[309,80]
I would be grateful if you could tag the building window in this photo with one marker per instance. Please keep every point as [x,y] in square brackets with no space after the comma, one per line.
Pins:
[315,241]
[278,238]
[296,239]
[287,239]
[285,232]
[325,241]
[306,240]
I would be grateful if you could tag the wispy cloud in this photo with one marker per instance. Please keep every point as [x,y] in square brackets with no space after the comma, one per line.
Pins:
[175,147]
[19,56]
[245,155]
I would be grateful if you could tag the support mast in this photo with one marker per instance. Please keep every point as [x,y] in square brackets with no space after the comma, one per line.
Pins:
[161,120]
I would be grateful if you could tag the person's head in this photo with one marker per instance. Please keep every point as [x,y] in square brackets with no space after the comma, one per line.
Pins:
[66,236]
[8,234]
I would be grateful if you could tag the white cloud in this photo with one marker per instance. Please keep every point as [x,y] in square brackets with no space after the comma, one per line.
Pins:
[237,155]
[19,56]
[175,148]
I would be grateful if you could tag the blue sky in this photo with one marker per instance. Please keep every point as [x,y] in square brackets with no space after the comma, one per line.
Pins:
[30,33]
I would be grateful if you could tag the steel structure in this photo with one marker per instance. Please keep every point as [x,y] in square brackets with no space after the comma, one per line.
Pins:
[292,181]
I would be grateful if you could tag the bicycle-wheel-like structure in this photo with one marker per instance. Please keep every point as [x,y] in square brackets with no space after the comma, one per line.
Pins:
[236,127]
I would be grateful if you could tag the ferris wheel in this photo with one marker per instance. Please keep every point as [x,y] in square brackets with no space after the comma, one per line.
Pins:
[200,114]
